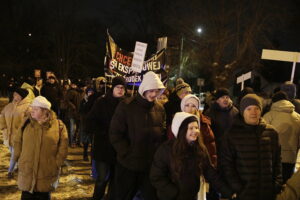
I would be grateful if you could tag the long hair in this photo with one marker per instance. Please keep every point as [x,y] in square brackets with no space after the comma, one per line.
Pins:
[181,149]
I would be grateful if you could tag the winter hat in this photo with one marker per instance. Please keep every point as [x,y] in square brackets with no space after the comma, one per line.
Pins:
[178,119]
[119,80]
[279,96]
[22,92]
[89,89]
[179,81]
[249,100]
[192,99]
[182,88]
[150,82]
[221,92]
[290,89]
[42,102]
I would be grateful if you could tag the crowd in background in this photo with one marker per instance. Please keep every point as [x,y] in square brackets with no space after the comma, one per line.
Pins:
[153,142]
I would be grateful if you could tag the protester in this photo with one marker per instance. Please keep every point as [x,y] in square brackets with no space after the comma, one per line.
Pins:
[11,119]
[137,129]
[173,105]
[291,90]
[287,123]
[73,99]
[98,122]
[179,163]
[84,108]
[191,104]
[291,190]
[250,154]
[52,92]
[222,114]
[41,146]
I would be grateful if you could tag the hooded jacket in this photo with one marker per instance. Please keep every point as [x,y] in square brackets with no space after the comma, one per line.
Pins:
[287,123]
[12,117]
[138,128]
[250,160]
[40,150]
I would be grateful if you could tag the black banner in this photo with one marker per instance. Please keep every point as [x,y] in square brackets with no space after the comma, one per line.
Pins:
[118,63]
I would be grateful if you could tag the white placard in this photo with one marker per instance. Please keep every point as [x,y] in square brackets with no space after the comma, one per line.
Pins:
[243,78]
[138,57]
[287,56]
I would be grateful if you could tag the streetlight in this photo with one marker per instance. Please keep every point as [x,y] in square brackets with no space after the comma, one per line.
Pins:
[199,30]
[29,34]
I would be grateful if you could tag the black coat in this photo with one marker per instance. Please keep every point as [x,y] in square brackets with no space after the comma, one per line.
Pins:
[53,93]
[250,161]
[169,187]
[172,107]
[221,120]
[136,131]
[98,123]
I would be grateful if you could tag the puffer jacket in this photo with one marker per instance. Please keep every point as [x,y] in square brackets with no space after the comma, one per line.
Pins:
[40,150]
[137,129]
[250,161]
[12,117]
[287,123]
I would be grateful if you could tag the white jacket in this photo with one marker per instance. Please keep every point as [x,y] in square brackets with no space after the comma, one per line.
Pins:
[287,123]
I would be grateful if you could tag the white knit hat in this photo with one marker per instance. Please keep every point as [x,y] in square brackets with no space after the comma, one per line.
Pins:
[42,102]
[150,82]
[178,119]
[186,98]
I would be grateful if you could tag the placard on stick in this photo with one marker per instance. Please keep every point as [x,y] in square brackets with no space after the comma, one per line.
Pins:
[243,78]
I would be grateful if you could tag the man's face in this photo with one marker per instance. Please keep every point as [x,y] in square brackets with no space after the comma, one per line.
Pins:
[252,115]
[151,95]
[224,101]
[119,91]
[51,80]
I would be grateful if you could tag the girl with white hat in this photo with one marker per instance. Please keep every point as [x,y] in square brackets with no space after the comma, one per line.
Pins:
[180,162]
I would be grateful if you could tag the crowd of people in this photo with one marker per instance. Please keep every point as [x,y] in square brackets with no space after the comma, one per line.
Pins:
[154,142]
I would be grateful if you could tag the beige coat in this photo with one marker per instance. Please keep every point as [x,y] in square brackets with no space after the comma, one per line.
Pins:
[291,190]
[286,121]
[40,150]
[12,117]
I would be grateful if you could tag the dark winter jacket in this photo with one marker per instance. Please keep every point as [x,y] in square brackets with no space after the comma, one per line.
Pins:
[221,120]
[250,161]
[53,93]
[137,129]
[73,99]
[172,107]
[84,108]
[186,187]
[98,123]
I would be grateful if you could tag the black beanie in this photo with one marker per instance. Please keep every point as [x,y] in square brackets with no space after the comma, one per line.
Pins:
[119,80]
[22,92]
[250,100]
[221,92]
[279,96]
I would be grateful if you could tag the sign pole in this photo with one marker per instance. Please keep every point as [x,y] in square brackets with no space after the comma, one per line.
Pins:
[133,86]
[293,72]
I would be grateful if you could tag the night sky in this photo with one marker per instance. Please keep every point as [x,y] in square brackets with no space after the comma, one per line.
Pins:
[127,22]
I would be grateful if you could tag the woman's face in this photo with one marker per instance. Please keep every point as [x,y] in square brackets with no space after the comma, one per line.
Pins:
[190,106]
[193,132]
[36,113]
[16,97]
